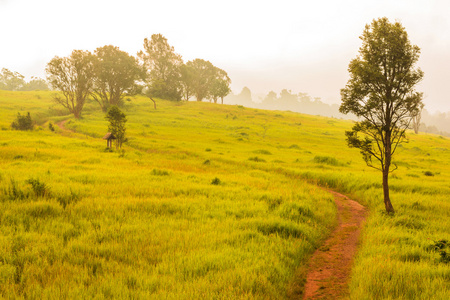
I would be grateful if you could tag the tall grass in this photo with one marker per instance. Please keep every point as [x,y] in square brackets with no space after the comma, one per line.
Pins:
[169,219]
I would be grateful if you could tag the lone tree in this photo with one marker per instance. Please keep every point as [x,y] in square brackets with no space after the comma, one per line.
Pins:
[73,77]
[117,120]
[381,92]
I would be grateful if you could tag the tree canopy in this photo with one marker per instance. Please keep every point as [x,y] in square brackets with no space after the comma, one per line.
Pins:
[381,93]
[117,120]
[11,81]
[162,66]
[115,74]
[73,77]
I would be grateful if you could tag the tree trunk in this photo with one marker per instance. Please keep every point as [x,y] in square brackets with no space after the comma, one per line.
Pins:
[386,167]
[387,200]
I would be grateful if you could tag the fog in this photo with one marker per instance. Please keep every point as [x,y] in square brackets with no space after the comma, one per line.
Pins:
[302,46]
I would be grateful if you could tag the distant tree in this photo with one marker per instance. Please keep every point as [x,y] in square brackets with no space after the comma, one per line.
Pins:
[117,120]
[73,77]
[11,81]
[381,92]
[187,81]
[115,75]
[35,84]
[23,122]
[162,67]
[203,73]
[288,100]
[245,97]
[220,85]
[416,119]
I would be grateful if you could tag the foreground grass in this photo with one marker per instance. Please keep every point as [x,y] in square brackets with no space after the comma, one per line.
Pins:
[207,201]
[175,216]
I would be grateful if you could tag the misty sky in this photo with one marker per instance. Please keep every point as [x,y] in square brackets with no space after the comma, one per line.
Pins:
[303,46]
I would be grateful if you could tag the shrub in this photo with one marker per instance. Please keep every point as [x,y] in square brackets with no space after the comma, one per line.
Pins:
[23,122]
[327,160]
[262,151]
[65,200]
[157,172]
[257,159]
[215,181]
[428,173]
[40,189]
[440,247]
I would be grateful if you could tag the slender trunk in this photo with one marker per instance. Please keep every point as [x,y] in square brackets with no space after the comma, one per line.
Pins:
[387,200]
[222,99]
[387,165]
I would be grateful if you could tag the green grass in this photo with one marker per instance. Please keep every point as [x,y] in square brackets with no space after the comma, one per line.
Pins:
[206,201]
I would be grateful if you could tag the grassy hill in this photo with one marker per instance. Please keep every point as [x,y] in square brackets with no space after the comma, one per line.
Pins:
[206,201]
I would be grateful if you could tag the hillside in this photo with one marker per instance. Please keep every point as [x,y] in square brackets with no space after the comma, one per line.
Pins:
[205,201]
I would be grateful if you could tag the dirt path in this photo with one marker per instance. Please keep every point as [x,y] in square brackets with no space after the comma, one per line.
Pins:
[329,268]
[62,125]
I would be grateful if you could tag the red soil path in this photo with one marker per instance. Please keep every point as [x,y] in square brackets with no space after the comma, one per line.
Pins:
[330,266]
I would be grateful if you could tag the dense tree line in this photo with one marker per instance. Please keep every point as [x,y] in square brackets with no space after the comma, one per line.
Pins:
[109,74]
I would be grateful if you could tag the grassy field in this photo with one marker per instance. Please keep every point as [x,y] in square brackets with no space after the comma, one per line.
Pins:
[206,201]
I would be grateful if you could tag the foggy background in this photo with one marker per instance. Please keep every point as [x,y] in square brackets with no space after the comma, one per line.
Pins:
[298,46]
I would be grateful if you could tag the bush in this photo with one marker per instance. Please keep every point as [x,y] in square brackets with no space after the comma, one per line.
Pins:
[327,160]
[23,122]
[215,181]
[257,159]
[40,189]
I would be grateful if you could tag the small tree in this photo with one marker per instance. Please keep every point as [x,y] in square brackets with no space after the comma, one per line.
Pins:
[117,120]
[381,92]
[220,86]
[23,122]
[416,119]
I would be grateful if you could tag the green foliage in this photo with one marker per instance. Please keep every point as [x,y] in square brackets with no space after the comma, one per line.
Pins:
[381,92]
[441,246]
[116,74]
[162,66]
[216,181]
[11,81]
[116,127]
[40,189]
[327,160]
[23,122]
[73,76]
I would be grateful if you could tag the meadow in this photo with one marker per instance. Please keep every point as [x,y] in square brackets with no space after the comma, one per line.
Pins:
[206,201]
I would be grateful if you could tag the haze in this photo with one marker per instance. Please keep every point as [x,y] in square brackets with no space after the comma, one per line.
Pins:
[303,46]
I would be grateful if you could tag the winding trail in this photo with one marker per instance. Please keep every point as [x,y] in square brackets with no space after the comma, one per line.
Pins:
[330,266]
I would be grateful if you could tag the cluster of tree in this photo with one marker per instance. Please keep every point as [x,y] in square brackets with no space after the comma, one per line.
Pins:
[109,74]
[14,81]
[286,100]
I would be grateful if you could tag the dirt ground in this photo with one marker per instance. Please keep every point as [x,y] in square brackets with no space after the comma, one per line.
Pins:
[329,269]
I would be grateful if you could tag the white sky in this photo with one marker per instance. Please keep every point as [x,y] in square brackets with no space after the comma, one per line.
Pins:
[304,46]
